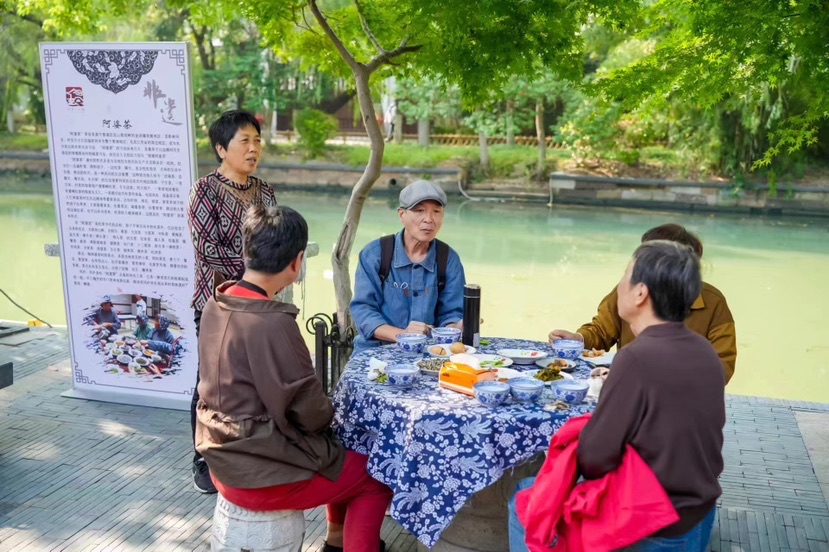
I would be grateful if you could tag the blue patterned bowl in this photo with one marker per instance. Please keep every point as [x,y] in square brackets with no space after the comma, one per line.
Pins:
[411,342]
[570,390]
[445,335]
[526,389]
[402,375]
[491,393]
[570,349]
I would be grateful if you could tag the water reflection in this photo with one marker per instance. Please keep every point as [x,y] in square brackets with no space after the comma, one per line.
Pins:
[541,268]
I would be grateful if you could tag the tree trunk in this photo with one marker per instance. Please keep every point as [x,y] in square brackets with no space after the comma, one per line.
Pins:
[423,132]
[482,143]
[398,128]
[267,113]
[345,241]
[542,139]
[510,122]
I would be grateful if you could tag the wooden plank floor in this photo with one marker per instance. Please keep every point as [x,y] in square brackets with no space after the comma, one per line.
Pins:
[82,475]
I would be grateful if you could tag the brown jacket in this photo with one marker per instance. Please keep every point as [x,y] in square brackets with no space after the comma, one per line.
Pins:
[709,317]
[665,397]
[262,418]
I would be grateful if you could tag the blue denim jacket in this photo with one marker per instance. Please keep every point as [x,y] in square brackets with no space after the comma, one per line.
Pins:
[410,292]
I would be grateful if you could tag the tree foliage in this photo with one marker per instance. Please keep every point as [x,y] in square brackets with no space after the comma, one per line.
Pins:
[762,65]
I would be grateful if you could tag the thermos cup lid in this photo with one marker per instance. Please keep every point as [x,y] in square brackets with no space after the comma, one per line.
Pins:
[472,290]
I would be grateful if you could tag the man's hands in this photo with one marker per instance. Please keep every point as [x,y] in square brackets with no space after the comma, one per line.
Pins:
[418,327]
[564,334]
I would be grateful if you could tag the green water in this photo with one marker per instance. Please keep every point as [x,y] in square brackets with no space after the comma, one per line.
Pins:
[542,268]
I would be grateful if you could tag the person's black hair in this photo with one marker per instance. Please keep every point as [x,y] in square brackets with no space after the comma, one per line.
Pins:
[273,237]
[676,233]
[671,272]
[227,125]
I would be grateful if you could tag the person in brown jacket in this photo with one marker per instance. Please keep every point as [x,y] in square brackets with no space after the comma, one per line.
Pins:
[709,315]
[665,396]
[263,420]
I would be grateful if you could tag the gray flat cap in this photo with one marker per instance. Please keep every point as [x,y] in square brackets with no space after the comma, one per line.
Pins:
[421,190]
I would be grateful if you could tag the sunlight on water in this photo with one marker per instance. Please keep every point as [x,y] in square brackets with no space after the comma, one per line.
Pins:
[542,268]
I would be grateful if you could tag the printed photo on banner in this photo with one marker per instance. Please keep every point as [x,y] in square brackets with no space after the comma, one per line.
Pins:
[137,336]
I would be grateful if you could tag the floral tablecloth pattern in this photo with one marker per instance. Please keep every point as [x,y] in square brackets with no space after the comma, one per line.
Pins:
[436,448]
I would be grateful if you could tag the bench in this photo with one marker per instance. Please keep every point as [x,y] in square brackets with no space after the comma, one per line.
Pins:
[6,375]
[236,529]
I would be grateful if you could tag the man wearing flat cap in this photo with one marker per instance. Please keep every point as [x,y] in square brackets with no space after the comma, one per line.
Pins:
[411,281]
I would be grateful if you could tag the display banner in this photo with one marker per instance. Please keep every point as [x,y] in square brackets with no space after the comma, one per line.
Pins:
[122,150]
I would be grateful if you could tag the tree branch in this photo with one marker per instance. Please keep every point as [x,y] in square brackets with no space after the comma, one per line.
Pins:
[367,30]
[28,17]
[338,44]
[388,56]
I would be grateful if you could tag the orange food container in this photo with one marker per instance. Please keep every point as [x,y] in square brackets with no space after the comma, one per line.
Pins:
[461,377]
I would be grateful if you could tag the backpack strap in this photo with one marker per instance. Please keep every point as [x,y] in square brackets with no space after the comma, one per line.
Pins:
[386,255]
[442,251]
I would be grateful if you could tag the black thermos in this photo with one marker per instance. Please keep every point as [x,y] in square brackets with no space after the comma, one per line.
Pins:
[471,315]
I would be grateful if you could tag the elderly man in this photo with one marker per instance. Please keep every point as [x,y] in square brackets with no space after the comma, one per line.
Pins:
[409,282]
[709,315]
[104,319]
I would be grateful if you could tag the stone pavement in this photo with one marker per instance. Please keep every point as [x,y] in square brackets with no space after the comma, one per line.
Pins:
[82,475]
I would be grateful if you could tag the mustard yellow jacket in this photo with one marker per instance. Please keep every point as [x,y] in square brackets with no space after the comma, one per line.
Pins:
[709,317]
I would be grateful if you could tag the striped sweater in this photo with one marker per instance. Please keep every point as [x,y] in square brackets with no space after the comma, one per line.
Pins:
[217,209]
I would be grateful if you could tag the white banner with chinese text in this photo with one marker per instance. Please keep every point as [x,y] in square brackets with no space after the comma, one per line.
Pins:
[122,149]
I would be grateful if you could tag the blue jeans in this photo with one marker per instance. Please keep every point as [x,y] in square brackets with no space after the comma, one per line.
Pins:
[517,534]
[695,540]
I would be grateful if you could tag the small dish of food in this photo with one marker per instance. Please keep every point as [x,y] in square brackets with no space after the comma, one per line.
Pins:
[561,363]
[493,361]
[124,359]
[598,357]
[522,356]
[430,367]
[548,375]
[446,350]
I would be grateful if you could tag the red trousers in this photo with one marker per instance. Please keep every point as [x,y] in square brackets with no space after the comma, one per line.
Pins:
[355,500]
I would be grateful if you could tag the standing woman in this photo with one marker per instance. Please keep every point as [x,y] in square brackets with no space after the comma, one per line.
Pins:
[218,203]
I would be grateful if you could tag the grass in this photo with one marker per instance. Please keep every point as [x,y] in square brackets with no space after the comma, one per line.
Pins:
[23,142]
[505,161]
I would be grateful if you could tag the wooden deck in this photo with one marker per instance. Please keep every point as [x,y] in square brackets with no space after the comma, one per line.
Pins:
[80,475]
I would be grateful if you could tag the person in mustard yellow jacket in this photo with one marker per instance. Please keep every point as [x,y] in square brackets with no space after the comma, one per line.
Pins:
[710,316]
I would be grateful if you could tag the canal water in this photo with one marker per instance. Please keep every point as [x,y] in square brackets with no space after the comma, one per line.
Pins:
[540,269]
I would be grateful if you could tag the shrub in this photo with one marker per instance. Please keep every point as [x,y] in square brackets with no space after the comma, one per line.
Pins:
[314,128]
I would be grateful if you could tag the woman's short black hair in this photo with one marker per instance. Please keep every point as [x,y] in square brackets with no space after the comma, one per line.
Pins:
[273,237]
[227,125]
[671,272]
[676,233]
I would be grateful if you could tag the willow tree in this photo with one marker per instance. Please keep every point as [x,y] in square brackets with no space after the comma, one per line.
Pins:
[475,45]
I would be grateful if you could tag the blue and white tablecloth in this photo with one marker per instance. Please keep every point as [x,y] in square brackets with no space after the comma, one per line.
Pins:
[436,448]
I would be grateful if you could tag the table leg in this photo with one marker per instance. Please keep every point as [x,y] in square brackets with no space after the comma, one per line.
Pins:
[482,524]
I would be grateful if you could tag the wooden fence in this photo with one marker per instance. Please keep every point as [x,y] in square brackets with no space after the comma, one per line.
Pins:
[465,140]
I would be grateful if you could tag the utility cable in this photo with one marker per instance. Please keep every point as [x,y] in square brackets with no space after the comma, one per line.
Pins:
[16,304]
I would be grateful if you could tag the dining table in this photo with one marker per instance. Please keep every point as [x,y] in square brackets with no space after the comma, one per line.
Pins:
[451,462]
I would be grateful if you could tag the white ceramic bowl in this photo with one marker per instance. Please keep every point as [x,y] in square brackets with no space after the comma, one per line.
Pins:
[570,390]
[446,335]
[569,349]
[526,389]
[411,342]
[402,375]
[491,393]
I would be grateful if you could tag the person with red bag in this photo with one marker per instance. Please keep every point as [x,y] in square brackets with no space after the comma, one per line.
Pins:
[664,404]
